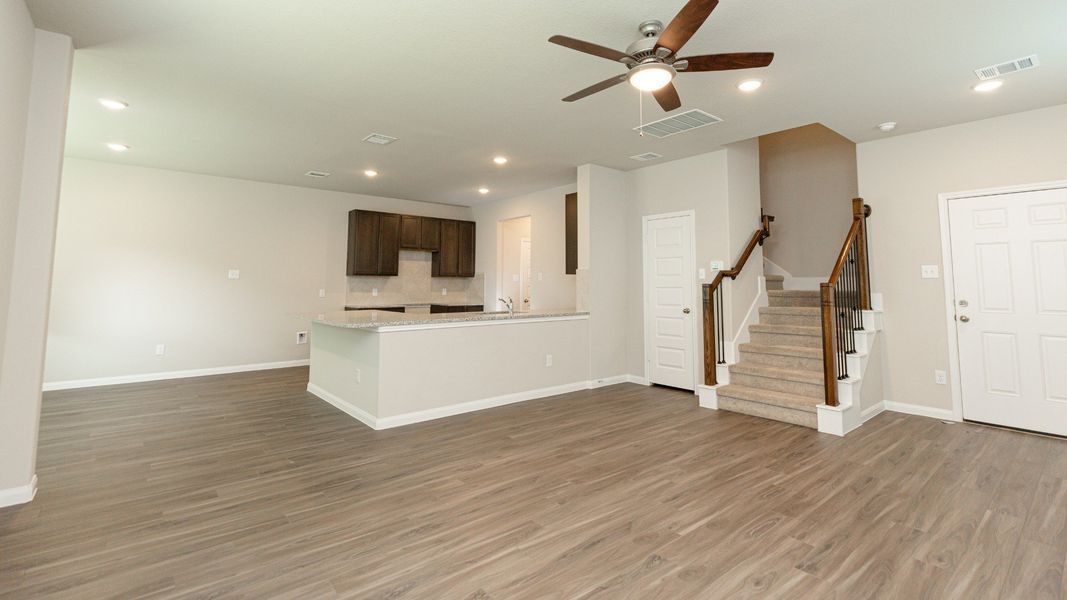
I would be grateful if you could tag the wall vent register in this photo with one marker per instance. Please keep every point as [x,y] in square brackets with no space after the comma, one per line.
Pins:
[317,174]
[379,138]
[680,123]
[647,156]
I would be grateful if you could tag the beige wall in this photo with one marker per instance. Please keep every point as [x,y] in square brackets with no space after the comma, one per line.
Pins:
[414,283]
[32,133]
[142,259]
[546,211]
[807,181]
[901,178]
[512,232]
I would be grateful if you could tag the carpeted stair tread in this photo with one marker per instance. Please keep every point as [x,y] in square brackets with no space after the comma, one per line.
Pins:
[798,375]
[794,293]
[785,329]
[813,311]
[780,399]
[782,350]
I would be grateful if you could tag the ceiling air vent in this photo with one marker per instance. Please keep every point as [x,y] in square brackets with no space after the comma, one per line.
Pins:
[1013,66]
[647,156]
[318,174]
[680,123]
[379,138]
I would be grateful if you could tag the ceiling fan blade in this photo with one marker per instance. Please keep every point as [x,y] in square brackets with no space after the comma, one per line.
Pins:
[685,24]
[727,62]
[667,96]
[596,87]
[588,48]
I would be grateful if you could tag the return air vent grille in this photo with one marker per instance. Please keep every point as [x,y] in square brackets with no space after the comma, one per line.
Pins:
[379,138]
[647,156]
[317,174]
[1013,66]
[680,123]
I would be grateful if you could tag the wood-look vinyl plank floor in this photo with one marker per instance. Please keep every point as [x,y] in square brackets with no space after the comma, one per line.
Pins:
[245,486]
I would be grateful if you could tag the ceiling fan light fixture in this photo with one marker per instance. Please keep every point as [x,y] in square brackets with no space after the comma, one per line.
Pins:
[650,77]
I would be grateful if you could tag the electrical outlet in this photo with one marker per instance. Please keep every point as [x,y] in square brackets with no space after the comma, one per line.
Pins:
[161,349]
[301,337]
[940,378]
[322,292]
[444,291]
[548,360]
[717,265]
[374,292]
[703,274]
[540,276]
[234,274]
[929,272]
[515,277]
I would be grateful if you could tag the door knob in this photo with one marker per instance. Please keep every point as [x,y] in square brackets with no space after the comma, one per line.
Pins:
[965,319]
[685,310]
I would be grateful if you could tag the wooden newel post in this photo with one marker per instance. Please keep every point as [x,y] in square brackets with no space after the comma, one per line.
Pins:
[828,371]
[709,337]
[860,211]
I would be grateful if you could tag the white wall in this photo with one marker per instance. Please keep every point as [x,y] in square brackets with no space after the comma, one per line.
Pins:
[35,69]
[546,212]
[900,178]
[512,233]
[142,259]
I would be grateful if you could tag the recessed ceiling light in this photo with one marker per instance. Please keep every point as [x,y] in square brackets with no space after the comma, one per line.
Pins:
[113,104]
[483,191]
[888,126]
[750,85]
[117,147]
[501,160]
[988,86]
[370,173]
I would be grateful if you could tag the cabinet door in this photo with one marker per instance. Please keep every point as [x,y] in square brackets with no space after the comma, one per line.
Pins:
[466,249]
[430,236]
[410,232]
[570,234]
[389,244]
[363,229]
[446,260]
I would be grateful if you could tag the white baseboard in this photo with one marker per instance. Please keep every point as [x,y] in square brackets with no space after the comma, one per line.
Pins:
[637,379]
[872,411]
[943,414]
[350,409]
[605,381]
[143,377]
[19,495]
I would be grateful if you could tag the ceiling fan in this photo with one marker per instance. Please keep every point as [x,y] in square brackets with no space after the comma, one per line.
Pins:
[653,61]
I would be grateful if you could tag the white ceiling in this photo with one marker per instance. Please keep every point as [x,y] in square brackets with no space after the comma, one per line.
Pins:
[269,89]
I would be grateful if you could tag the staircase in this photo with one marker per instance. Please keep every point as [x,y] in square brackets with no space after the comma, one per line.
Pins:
[780,373]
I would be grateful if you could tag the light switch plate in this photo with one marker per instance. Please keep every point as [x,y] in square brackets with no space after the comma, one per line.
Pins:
[322,292]
[703,274]
[930,272]
[161,349]
[444,291]
[234,274]
[940,378]
[374,291]
[717,265]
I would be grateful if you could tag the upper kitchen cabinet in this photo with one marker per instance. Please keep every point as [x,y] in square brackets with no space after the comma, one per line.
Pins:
[455,258]
[420,233]
[373,243]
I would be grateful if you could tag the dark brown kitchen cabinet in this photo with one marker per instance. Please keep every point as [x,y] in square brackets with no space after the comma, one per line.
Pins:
[420,233]
[570,237]
[373,243]
[455,256]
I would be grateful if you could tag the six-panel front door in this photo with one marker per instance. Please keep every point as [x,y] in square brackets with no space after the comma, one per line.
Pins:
[1009,259]
[669,296]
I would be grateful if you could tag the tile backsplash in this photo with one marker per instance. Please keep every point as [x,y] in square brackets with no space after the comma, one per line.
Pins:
[414,285]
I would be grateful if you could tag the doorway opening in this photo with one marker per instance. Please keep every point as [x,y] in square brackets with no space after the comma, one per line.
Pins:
[515,254]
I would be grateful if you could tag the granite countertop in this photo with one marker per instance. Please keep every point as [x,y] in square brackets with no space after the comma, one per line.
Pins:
[373,319]
[451,302]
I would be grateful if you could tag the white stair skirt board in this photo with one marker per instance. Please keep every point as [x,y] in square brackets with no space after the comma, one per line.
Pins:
[19,495]
[847,415]
[379,423]
[790,282]
[143,377]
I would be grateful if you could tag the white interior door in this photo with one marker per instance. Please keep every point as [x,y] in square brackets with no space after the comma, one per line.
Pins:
[1009,261]
[525,278]
[669,295]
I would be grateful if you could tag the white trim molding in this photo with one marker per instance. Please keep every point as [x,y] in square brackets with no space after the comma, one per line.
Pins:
[145,377]
[19,495]
[943,414]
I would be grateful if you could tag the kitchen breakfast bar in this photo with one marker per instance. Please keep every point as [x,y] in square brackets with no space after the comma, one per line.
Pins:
[389,369]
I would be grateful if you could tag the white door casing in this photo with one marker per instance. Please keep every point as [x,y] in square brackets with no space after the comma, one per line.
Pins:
[668,299]
[1009,270]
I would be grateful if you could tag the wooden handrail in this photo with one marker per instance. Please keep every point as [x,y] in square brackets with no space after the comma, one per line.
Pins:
[711,328]
[842,302]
